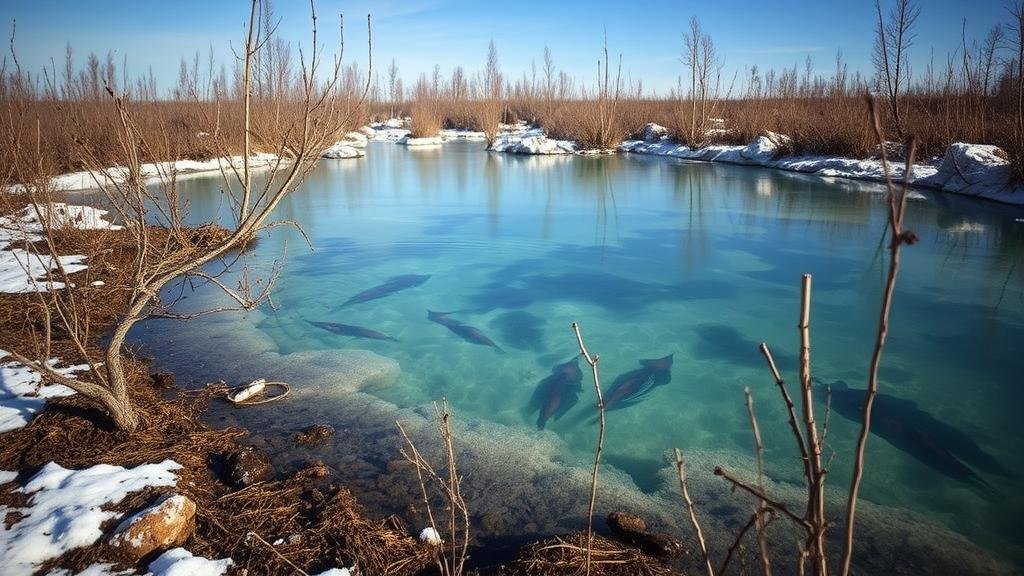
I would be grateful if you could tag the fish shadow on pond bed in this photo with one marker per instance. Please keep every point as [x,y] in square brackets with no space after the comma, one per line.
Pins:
[389,287]
[350,330]
[464,331]
[940,446]
[558,393]
[722,342]
[520,329]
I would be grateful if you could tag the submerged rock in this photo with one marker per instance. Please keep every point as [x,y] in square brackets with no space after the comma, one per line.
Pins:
[632,530]
[314,434]
[167,523]
[249,466]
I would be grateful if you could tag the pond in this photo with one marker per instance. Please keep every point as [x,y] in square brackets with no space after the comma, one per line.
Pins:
[692,264]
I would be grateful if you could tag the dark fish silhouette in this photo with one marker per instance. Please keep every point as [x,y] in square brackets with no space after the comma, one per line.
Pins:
[467,333]
[628,388]
[354,331]
[559,392]
[934,443]
[391,286]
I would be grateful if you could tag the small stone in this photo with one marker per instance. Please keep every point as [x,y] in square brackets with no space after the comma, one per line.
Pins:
[166,524]
[430,537]
[314,434]
[249,466]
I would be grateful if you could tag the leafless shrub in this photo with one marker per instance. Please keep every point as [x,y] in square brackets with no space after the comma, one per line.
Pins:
[452,550]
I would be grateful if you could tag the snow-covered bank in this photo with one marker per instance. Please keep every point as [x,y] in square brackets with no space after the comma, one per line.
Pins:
[22,271]
[530,141]
[971,169]
[22,393]
[65,510]
[153,172]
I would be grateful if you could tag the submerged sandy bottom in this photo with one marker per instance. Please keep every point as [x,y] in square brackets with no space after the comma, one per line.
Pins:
[518,482]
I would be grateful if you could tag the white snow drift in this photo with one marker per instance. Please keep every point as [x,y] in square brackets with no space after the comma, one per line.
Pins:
[64,510]
[22,393]
[22,271]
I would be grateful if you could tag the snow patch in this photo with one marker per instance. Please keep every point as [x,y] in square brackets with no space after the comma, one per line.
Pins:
[342,149]
[972,169]
[22,271]
[335,572]
[22,393]
[64,512]
[152,173]
[425,141]
[390,130]
[459,134]
[181,562]
[532,141]
[6,476]
[94,570]
[976,170]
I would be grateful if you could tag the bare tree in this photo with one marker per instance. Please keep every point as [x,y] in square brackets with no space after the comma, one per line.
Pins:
[700,56]
[892,41]
[165,250]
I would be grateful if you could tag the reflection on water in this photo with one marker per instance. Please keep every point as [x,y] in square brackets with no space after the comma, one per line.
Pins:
[658,259]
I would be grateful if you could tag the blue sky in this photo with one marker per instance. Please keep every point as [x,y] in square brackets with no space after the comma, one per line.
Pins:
[418,35]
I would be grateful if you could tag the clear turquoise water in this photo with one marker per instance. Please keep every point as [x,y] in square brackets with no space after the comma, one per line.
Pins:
[653,257]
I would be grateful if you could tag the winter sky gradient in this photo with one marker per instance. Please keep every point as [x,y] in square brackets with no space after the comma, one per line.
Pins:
[456,32]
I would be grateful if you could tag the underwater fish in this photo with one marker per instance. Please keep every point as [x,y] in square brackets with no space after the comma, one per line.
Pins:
[466,332]
[905,426]
[391,286]
[631,386]
[559,392]
[349,330]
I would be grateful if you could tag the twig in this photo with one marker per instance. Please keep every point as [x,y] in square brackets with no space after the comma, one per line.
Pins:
[766,564]
[897,207]
[816,489]
[736,543]
[778,506]
[592,360]
[790,409]
[278,554]
[680,467]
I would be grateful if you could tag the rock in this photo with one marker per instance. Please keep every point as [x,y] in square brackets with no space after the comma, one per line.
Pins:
[316,469]
[166,524]
[654,133]
[625,523]
[249,466]
[314,434]
[162,380]
[632,529]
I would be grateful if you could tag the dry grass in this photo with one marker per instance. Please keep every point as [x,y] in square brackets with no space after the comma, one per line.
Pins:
[566,556]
